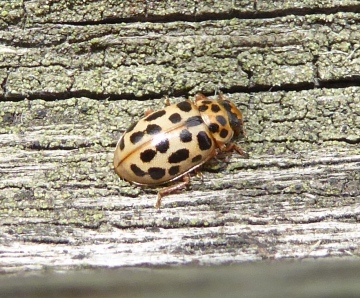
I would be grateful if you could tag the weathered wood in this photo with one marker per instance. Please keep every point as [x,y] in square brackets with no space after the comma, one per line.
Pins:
[71,85]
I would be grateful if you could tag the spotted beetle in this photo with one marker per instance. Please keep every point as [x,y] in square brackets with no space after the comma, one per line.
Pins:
[168,144]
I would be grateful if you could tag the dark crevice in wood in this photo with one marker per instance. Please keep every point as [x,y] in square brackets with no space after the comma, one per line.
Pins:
[228,15]
[353,81]
[170,224]
[345,140]
[37,146]
[50,96]
[47,240]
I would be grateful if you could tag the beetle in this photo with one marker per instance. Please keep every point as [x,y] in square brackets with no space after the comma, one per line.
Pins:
[168,144]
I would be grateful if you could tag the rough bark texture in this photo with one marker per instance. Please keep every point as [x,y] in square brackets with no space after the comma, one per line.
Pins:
[75,74]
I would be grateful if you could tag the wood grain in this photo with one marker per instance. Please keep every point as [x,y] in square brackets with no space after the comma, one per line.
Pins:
[75,75]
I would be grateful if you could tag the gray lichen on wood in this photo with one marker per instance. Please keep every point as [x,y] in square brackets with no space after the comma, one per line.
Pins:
[68,92]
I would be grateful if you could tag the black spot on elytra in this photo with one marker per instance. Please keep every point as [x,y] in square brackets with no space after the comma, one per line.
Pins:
[122,144]
[203,108]
[204,141]
[174,170]
[223,133]
[137,171]
[196,158]
[206,102]
[131,127]
[155,115]
[156,173]
[185,106]
[136,137]
[227,106]
[179,156]
[221,120]
[185,136]
[194,121]
[175,118]
[214,127]
[147,155]
[153,129]
[215,108]
[162,146]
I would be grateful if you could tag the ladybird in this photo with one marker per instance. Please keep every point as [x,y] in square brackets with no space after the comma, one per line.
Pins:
[168,144]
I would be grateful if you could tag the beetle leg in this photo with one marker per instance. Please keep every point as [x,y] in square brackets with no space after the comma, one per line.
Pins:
[166,101]
[199,174]
[168,190]
[221,96]
[148,112]
[199,97]
[233,147]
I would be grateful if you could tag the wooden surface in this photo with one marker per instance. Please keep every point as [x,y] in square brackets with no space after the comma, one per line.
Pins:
[75,75]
